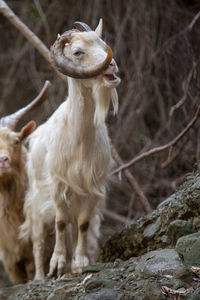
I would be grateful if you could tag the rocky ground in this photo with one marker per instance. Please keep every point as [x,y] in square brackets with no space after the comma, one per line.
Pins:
[157,257]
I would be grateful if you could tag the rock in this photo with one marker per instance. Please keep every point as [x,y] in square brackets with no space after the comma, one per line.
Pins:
[153,291]
[189,249]
[104,294]
[98,283]
[184,275]
[137,278]
[181,210]
[151,229]
[178,228]
[62,294]
[4,280]
[93,268]
[8,292]
[196,295]
[158,263]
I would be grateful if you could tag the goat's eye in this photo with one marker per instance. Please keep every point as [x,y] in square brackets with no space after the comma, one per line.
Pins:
[16,141]
[77,52]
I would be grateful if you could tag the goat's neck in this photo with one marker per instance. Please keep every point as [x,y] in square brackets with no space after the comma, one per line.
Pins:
[82,108]
[88,105]
[12,188]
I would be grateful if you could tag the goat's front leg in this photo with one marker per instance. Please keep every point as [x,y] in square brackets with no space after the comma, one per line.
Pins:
[58,259]
[38,252]
[80,259]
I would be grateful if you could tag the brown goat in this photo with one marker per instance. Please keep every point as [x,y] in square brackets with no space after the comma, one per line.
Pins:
[16,254]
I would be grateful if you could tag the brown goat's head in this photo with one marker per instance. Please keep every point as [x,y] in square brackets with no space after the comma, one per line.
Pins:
[11,148]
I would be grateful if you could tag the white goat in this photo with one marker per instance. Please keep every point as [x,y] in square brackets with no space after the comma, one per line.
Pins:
[70,158]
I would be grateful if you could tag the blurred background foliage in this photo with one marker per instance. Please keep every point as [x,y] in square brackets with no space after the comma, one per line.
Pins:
[156,45]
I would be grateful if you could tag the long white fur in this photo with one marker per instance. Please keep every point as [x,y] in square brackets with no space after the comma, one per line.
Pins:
[68,166]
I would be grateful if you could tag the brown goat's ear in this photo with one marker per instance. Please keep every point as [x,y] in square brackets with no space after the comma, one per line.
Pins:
[27,130]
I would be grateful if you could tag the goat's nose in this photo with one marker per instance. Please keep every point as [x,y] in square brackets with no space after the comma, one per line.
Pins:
[3,159]
[112,63]
[113,66]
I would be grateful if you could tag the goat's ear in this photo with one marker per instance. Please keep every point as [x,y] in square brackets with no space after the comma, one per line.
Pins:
[27,130]
[99,28]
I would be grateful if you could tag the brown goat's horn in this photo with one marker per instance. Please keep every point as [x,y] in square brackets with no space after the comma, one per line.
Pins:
[66,66]
[11,121]
[82,26]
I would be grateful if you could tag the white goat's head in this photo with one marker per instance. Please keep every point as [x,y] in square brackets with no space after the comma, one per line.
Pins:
[81,53]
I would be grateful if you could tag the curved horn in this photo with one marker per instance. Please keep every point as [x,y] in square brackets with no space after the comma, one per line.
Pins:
[67,67]
[11,121]
[82,26]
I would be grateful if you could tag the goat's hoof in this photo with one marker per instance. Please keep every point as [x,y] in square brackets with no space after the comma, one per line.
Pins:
[78,263]
[58,262]
[48,276]
[39,276]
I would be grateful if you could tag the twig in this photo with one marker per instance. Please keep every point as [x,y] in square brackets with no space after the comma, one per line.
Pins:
[174,155]
[31,37]
[194,20]
[43,17]
[130,205]
[160,148]
[116,217]
[132,181]
[18,58]
[182,32]
[183,99]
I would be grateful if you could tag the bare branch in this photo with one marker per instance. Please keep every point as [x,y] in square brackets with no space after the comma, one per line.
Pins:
[132,181]
[116,217]
[31,37]
[185,92]
[43,17]
[174,155]
[161,148]
[194,20]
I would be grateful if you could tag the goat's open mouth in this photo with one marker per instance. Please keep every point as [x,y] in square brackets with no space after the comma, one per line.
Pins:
[111,77]
[111,80]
